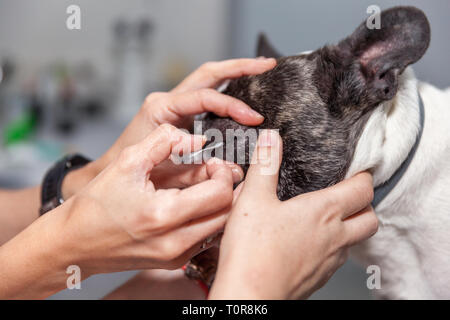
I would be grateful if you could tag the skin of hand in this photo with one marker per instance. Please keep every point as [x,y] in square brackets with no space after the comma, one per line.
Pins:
[287,250]
[165,226]
[194,95]
[119,221]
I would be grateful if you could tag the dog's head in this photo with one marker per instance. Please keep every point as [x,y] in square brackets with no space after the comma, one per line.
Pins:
[322,100]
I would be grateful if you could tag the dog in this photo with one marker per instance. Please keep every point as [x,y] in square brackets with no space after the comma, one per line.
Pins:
[356,106]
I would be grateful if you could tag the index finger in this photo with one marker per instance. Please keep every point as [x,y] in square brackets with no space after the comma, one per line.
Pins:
[207,197]
[159,145]
[211,74]
[209,100]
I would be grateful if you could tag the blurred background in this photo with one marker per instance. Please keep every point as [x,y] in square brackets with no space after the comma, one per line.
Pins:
[67,90]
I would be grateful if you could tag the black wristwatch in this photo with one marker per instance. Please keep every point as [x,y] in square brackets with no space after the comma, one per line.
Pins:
[51,195]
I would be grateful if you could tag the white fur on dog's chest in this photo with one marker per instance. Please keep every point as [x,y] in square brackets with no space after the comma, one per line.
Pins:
[412,246]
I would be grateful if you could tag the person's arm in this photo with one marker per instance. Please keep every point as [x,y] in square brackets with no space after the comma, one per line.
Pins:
[19,208]
[119,221]
[287,250]
[158,285]
[33,264]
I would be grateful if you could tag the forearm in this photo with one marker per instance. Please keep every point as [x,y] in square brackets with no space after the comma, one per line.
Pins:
[158,285]
[19,208]
[242,284]
[33,264]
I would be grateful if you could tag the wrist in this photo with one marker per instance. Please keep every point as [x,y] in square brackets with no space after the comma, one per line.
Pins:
[241,281]
[235,285]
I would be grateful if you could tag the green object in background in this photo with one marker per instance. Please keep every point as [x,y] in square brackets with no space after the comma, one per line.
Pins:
[20,129]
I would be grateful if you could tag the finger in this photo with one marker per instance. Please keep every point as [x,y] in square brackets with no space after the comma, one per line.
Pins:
[262,176]
[161,143]
[210,243]
[207,197]
[170,175]
[345,198]
[360,226]
[211,235]
[353,195]
[200,234]
[193,251]
[209,100]
[237,191]
[211,74]
[204,233]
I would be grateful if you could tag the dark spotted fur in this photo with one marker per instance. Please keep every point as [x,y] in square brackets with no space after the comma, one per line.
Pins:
[321,102]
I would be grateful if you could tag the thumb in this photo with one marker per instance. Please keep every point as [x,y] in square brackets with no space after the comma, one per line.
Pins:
[262,176]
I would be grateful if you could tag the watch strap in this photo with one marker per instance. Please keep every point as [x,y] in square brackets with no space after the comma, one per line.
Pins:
[51,194]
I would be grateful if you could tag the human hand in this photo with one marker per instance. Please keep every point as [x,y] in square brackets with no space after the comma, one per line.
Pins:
[286,250]
[194,95]
[123,223]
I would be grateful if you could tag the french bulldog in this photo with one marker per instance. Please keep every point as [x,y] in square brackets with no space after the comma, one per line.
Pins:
[354,106]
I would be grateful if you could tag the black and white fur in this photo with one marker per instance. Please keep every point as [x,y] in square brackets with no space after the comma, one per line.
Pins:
[351,107]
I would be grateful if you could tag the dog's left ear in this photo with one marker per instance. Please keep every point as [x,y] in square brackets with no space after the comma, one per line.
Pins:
[384,53]
[265,48]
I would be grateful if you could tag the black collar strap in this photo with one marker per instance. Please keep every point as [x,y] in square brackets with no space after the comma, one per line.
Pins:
[383,190]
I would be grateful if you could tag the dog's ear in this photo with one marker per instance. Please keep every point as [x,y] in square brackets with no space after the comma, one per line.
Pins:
[384,53]
[265,48]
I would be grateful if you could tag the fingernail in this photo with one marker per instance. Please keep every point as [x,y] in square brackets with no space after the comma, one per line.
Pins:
[238,175]
[210,239]
[255,114]
[215,161]
[214,237]
[199,137]
[198,141]
[264,59]
[267,138]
